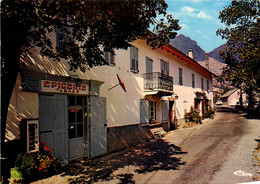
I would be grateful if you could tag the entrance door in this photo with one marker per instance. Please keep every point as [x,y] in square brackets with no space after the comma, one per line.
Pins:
[53,125]
[98,129]
[76,126]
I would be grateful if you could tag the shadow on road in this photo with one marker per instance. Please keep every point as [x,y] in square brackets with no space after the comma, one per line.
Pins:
[146,157]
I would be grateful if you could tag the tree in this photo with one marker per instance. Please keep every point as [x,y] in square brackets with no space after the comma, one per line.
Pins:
[85,26]
[242,51]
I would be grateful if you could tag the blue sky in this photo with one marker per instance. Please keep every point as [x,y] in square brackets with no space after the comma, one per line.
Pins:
[199,20]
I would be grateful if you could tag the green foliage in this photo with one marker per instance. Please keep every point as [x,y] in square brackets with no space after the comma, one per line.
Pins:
[38,164]
[85,26]
[208,110]
[193,116]
[242,52]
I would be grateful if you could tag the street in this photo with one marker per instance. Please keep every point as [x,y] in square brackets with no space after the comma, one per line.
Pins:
[217,151]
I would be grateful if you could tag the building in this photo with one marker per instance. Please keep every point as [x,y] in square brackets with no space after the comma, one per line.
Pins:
[216,68]
[231,98]
[107,108]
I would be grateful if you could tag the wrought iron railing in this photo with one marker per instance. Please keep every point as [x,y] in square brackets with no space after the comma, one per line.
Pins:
[158,81]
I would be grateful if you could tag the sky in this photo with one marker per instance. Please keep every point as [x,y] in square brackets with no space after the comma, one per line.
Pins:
[199,20]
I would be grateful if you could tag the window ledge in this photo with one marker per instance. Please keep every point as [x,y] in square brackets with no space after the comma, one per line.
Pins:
[134,70]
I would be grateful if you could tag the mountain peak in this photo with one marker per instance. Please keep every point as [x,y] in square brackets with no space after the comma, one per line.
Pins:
[184,44]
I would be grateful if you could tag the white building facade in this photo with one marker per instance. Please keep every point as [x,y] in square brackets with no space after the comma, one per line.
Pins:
[85,114]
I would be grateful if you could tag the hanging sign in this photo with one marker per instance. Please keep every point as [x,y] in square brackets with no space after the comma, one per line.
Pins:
[63,87]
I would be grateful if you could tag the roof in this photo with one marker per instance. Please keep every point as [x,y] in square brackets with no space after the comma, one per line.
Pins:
[230,92]
[186,59]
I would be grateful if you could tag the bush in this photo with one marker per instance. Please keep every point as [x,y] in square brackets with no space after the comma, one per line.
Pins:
[39,164]
[193,116]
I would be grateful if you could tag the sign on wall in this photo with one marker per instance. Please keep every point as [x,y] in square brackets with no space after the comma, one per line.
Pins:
[63,87]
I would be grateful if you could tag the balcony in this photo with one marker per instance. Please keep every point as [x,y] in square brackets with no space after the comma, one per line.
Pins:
[158,81]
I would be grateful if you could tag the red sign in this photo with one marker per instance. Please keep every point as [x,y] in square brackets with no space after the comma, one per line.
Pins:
[63,87]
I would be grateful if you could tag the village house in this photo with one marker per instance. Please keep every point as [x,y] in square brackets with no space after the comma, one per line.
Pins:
[107,108]
[232,98]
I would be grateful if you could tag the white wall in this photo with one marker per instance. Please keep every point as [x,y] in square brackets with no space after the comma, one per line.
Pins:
[23,105]
[122,108]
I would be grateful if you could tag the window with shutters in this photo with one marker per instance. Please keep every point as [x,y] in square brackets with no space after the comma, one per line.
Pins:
[180,76]
[134,59]
[193,80]
[164,67]
[110,58]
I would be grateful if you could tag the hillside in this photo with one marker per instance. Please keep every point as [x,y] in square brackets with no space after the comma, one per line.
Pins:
[215,53]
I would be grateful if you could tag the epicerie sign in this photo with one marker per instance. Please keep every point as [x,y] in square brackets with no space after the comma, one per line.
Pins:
[63,87]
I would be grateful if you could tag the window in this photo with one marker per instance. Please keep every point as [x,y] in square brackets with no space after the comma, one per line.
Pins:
[152,110]
[202,81]
[164,67]
[207,85]
[149,65]
[134,59]
[110,58]
[180,76]
[75,113]
[63,36]
[193,80]
[32,128]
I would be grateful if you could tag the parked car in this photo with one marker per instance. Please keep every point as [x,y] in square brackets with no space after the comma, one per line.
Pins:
[219,102]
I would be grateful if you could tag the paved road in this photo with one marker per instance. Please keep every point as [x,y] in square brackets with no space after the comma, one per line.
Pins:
[208,153]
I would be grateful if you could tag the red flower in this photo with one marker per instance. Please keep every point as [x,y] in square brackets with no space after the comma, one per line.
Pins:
[51,159]
[40,168]
[50,149]
[45,147]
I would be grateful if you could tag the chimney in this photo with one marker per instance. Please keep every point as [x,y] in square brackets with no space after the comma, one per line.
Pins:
[207,60]
[190,53]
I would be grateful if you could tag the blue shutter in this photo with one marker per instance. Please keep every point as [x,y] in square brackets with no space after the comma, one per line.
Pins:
[144,111]
[165,111]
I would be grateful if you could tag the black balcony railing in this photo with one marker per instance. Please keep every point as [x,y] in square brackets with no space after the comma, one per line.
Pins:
[158,81]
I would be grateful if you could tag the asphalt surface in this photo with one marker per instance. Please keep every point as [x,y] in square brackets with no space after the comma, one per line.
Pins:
[207,153]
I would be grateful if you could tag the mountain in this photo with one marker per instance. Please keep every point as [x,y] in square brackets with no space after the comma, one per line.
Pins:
[184,44]
[215,53]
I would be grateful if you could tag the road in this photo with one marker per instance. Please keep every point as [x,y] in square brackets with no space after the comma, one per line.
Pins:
[207,153]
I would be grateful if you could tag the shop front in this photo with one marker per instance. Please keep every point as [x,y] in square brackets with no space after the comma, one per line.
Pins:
[72,116]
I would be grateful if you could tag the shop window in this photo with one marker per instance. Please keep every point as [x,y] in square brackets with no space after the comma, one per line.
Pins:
[32,129]
[75,116]
[134,59]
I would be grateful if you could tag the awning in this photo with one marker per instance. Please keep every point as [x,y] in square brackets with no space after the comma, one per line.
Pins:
[157,94]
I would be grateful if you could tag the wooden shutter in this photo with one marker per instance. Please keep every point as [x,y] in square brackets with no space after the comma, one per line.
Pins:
[149,65]
[162,66]
[165,111]
[167,68]
[144,111]
[132,57]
